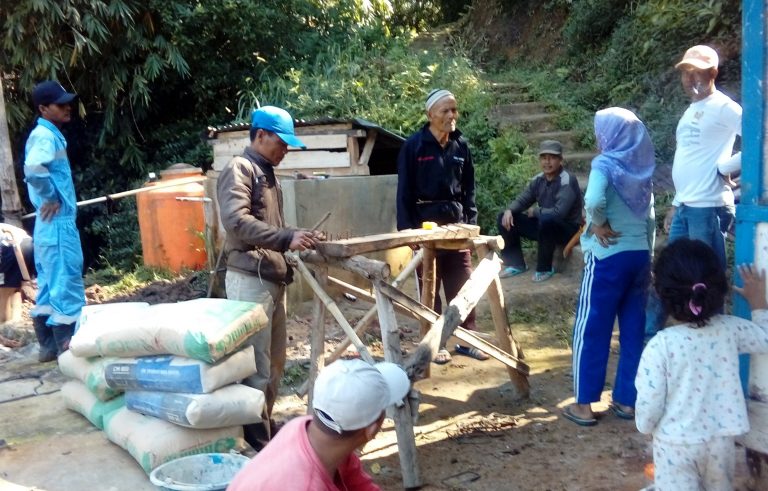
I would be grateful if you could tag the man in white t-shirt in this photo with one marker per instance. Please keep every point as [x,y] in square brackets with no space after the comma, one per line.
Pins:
[704,160]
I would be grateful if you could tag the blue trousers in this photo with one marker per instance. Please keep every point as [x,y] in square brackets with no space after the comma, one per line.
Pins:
[59,264]
[612,287]
[708,225]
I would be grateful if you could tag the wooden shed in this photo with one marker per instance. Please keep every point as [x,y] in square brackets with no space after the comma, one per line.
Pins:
[335,147]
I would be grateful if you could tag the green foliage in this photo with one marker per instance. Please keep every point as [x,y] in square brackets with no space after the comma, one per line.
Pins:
[590,21]
[503,175]
[119,233]
[115,281]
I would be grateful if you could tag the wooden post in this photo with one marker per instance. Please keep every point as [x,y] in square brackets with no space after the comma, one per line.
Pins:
[428,278]
[506,339]
[317,336]
[406,443]
[9,191]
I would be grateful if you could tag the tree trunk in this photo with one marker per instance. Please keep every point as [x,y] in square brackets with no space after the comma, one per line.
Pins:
[9,191]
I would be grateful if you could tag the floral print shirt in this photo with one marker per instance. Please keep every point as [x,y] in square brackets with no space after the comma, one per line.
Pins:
[688,387]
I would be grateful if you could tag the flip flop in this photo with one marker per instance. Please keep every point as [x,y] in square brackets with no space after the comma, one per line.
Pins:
[471,352]
[511,271]
[442,357]
[620,413]
[567,414]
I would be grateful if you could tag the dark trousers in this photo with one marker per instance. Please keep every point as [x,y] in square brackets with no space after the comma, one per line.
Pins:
[548,232]
[452,269]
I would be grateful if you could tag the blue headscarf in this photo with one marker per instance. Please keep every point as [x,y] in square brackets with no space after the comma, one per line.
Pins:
[626,156]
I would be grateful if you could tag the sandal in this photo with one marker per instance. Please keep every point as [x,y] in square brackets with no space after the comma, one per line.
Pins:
[511,271]
[621,413]
[568,414]
[471,352]
[442,357]
[540,276]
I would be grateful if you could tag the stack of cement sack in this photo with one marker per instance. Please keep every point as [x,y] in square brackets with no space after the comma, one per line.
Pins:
[177,365]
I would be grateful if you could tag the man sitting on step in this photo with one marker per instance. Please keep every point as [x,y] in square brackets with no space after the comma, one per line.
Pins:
[553,221]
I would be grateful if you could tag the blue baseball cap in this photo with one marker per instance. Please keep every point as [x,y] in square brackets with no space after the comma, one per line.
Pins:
[51,92]
[277,121]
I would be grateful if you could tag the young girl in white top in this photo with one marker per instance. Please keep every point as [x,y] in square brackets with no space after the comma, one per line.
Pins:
[689,396]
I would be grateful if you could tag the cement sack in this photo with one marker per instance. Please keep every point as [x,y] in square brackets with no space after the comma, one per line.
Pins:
[90,371]
[231,405]
[153,442]
[205,329]
[178,374]
[80,399]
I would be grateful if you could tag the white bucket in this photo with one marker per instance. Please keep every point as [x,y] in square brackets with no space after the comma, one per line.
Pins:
[203,472]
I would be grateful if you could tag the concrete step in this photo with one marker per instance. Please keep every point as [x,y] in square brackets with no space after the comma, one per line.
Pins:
[579,160]
[512,97]
[525,122]
[566,137]
[509,87]
[520,108]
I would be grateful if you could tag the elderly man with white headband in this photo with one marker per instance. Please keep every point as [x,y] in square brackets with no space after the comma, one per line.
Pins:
[703,207]
[436,183]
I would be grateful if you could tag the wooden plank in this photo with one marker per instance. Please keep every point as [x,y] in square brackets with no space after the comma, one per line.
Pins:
[457,310]
[380,242]
[323,129]
[406,442]
[371,269]
[422,313]
[354,151]
[370,141]
[316,339]
[314,159]
[504,334]
[362,324]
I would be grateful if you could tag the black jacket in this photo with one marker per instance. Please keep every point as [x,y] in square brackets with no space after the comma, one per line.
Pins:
[435,184]
[560,197]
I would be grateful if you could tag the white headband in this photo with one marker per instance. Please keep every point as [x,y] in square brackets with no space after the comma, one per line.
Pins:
[435,96]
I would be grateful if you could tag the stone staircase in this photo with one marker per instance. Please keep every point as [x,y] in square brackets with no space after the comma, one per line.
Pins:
[516,108]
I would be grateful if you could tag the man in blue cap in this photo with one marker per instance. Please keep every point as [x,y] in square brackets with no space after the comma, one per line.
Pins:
[58,254]
[251,208]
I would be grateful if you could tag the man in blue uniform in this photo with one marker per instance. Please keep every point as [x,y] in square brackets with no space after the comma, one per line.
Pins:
[58,254]
[436,183]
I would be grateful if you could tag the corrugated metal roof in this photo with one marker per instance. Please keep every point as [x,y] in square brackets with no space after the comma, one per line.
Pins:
[212,132]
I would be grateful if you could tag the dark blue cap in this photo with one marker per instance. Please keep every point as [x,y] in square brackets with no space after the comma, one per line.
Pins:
[51,92]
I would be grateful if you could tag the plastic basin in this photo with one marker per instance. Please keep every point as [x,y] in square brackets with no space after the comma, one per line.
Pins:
[203,472]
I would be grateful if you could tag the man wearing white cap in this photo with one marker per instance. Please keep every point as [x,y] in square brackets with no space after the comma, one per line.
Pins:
[251,208]
[703,207]
[317,452]
[436,183]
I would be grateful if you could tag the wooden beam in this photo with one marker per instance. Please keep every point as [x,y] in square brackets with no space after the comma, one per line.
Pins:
[421,312]
[365,296]
[504,334]
[371,269]
[370,141]
[462,304]
[496,243]
[317,337]
[362,324]
[428,279]
[406,443]
[380,242]
[331,306]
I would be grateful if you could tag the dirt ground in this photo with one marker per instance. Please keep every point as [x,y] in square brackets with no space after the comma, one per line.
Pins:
[472,432]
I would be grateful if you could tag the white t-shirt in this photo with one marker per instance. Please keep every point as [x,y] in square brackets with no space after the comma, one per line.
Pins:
[705,137]
[688,386]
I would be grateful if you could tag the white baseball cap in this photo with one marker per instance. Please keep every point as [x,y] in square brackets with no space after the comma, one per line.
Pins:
[351,394]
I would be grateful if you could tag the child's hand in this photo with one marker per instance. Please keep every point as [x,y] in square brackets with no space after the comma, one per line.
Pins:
[753,290]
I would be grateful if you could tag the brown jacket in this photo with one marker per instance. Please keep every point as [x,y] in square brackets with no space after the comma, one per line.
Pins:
[251,209]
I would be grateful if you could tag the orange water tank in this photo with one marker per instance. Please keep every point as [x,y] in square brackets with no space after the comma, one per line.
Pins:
[172,221]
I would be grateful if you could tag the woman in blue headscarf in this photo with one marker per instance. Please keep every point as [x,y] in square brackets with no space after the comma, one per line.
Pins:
[617,243]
